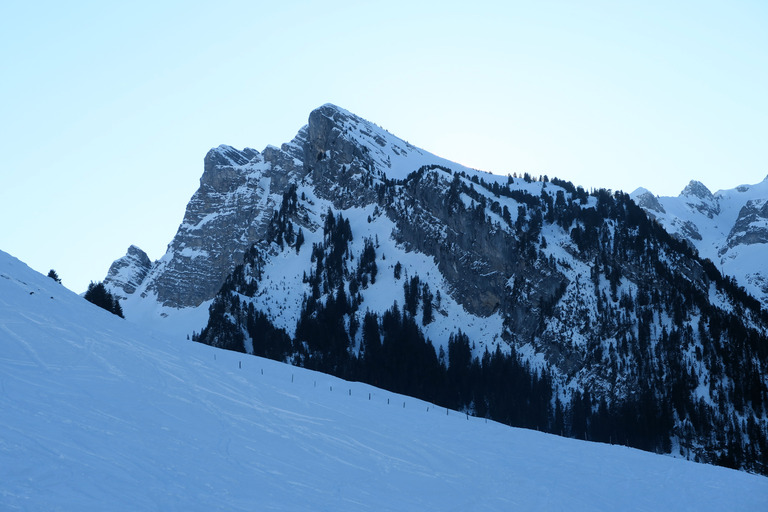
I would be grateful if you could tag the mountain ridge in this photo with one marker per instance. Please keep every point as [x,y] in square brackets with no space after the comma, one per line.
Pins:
[729,227]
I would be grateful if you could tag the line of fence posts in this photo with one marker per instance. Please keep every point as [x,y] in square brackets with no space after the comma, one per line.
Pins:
[240,365]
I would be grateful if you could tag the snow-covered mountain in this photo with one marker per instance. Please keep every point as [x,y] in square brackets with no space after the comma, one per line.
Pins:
[729,227]
[101,414]
[233,208]
[526,300]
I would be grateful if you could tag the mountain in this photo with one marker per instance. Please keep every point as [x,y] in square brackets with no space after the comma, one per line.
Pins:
[525,300]
[729,227]
[101,413]
[238,192]
[127,273]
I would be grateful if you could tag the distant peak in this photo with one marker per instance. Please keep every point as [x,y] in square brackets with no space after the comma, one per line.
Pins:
[696,189]
[645,198]
[640,191]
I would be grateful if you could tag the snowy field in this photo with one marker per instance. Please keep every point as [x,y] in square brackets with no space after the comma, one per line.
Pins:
[98,414]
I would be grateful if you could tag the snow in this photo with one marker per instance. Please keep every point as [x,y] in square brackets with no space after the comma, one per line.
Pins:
[190,253]
[640,191]
[151,315]
[99,413]
[281,290]
[396,157]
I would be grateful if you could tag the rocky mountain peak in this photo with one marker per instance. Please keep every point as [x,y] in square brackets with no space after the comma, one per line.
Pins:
[697,189]
[700,198]
[645,198]
[233,207]
[335,132]
[126,274]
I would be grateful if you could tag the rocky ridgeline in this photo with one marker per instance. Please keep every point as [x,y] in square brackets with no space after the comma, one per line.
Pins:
[729,227]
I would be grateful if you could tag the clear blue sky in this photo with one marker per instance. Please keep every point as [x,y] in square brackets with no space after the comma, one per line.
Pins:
[109,108]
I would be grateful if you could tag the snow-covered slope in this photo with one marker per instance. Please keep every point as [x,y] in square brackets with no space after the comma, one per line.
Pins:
[729,227]
[98,414]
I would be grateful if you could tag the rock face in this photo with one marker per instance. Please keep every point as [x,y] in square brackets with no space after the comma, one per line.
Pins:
[227,214]
[751,227]
[644,198]
[126,274]
[729,227]
[697,196]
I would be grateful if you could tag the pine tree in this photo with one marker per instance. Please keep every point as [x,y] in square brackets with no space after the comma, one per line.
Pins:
[426,298]
[97,294]
[299,240]
[117,308]
[53,275]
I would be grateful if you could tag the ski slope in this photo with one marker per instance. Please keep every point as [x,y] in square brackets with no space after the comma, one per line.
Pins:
[98,414]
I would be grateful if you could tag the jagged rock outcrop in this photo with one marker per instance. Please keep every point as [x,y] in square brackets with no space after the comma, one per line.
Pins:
[645,199]
[698,196]
[228,213]
[126,274]
[751,226]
